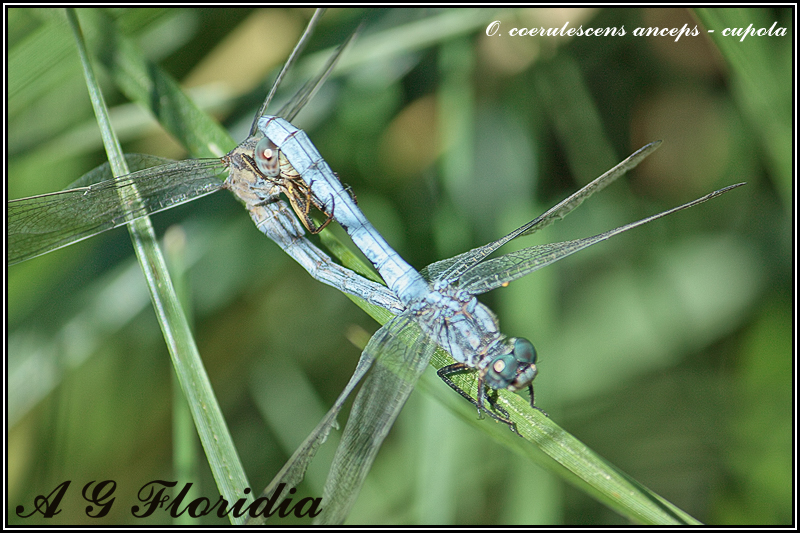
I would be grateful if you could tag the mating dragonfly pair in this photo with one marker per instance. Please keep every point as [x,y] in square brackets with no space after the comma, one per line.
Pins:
[438,309]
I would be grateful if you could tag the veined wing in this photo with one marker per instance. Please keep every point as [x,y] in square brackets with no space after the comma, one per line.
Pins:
[403,354]
[295,468]
[499,271]
[40,224]
[398,354]
[307,92]
[449,270]
[298,48]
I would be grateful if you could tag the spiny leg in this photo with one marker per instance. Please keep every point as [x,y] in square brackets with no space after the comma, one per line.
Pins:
[301,200]
[530,391]
[299,197]
[455,368]
[311,200]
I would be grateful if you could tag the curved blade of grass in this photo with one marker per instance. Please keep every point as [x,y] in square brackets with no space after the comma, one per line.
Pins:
[211,427]
[565,456]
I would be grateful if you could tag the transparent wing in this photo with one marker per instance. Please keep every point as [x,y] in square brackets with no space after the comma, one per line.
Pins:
[43,223]
[449,270]
[499,271]
[298,48]
[135,162]
[307,92]
[402,353]
[295,468]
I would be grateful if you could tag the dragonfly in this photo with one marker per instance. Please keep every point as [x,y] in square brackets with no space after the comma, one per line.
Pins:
[445,306]
[441,310]
[399,352]
[92,205]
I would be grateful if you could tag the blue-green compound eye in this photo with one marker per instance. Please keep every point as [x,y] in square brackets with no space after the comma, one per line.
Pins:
[524,352]
[502,371]
[266,157]
[513,371]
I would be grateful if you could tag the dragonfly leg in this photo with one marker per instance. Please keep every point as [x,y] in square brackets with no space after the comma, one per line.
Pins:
[316,203]
[301,205]
[530,390]
[327,220]
[492,399]
[455,368]
[299,196]
[349,191]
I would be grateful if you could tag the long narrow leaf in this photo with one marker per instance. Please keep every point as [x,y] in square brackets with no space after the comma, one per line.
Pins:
[210,424]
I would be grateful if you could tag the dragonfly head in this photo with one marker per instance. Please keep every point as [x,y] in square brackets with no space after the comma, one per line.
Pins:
[513,371]
[267,158]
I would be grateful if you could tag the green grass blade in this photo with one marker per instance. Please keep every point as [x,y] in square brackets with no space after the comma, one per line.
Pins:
[555,449]
[210,424]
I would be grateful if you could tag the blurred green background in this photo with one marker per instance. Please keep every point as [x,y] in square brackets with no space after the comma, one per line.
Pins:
[666,350]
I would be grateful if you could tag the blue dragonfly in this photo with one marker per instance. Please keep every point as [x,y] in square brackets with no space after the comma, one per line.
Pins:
[92,205]
[441,310]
